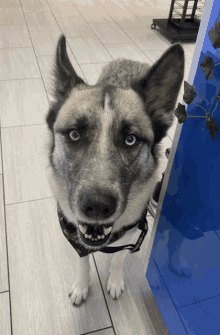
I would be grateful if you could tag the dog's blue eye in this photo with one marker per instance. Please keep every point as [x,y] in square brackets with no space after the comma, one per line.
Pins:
[74,135]
[130,140]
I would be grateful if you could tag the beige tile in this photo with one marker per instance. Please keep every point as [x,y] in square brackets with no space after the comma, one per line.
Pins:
[72,27]
[128,51]
[14,36]
[160,6]
[43,265]
[24,163]
[148,19]
[134,312]
[88,50]
[92,72]
[18,64]
[146,39]
[109,33]
[189,49]
[154,55]
[10,4]
[0,154]
[64,9]
[46,66]
[22,102]
[94,14]
[11,16]
[3,252]
[126,19]
[5,324]
[35,6]
[45,42]
[82,3]
[140,7]
[108,331]
[41,21]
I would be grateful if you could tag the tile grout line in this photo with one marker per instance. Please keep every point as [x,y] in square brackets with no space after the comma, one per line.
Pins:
[103,293]
[6,235]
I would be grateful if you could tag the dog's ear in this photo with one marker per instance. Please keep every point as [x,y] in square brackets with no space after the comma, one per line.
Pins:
[64,76]
[64,80]
[160,89]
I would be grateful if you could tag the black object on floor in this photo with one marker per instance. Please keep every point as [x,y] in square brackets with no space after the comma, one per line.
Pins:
[181,26]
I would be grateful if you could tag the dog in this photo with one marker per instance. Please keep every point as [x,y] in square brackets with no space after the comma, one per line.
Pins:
[104,152]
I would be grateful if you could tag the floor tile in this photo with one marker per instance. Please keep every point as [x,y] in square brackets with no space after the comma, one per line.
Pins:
[0,153]
[64,9]
[3,252]
[22,102]
[11,16]
[92,72]
[18,64]
[14,36]
[35,6]
[45,42]
[25,168]
[140,7]
[128,51]
[146,39]
[201,318]
[128,20]
[41,21]
[94,14]
[43,265]
[5,324]
[75,27]
[89,50]
[10,4]
[108,331]
[153,55]
[160,6]
[135,294]
[110,33]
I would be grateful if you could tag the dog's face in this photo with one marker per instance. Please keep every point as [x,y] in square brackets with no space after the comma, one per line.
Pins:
[104,144]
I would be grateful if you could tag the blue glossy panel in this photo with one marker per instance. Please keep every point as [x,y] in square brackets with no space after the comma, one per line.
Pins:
[202,318]
[185,262]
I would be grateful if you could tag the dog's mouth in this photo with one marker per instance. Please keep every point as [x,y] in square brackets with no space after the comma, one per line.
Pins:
[94,235]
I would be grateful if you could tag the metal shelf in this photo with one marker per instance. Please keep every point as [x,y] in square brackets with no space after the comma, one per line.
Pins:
[180,25]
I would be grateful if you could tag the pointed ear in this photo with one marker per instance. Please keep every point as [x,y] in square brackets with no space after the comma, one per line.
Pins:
[160,88]
[64,76]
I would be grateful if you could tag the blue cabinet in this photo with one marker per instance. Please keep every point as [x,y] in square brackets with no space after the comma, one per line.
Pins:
[184,266]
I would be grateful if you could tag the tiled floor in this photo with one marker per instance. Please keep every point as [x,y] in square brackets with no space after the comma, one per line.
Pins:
[36,262]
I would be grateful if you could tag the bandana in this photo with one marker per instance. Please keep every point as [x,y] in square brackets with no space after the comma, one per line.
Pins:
[70,232]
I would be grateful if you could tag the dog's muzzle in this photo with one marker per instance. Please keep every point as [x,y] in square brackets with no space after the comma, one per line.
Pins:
[94,235]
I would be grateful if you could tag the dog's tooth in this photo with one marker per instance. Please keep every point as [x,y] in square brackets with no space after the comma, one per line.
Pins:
[102,236]
[82,229]
[86,235]
[89,236]
[107,230]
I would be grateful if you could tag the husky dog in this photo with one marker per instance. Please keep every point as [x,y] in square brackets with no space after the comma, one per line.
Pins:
[104,152]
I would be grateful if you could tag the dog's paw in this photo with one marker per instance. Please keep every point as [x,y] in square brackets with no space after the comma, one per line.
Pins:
[78,292]
[115,286]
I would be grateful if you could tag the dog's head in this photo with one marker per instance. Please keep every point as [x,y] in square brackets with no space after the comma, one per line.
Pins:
[104,142]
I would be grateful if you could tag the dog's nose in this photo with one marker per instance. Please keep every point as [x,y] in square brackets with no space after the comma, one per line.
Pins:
[98,204]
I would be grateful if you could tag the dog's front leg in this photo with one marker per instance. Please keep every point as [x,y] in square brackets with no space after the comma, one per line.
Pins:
[79,289]
[115,285]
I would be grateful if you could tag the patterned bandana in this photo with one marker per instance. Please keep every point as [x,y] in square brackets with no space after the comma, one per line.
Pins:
[70,232]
